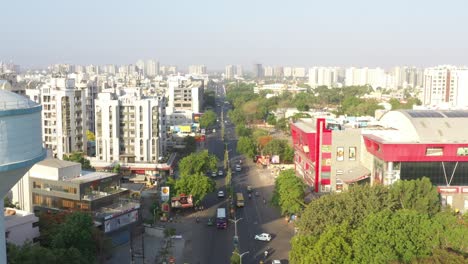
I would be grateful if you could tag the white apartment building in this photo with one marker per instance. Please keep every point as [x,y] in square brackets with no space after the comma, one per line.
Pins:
[185,97]
[166,70]
[287,72]
[63,116]
[197,69]
[239,71]
[323,76]
[268,71]
[229,72]
[404,77]
[365,76]
[299,72]
[130,127]
[445,86]
[152,68]
[278,71]
[20,227]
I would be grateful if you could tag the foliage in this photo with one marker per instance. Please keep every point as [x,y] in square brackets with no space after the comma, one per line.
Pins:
[8,203]
[351,207]
[271,120]
[246,146]
[76,232]
[279,147]
[116,168]
[257,133]
[263,141]
[283,125]
[197,163]
[90,136]
[453,231]
[208,119]
[401,235]
[235,258]
[78,157]
[410,102]
[198,185]
[419,195]
[36,254]
[440,256]
[289,191]
[243,131]
[236,116]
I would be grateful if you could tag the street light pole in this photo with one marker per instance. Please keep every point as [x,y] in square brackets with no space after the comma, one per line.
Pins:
[235,224]
[240,255]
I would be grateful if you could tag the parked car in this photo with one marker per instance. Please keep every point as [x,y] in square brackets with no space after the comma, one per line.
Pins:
[213,174]
[238,167]
[249,189]
[276,261]
[220,173]
[263,237]
[220,194]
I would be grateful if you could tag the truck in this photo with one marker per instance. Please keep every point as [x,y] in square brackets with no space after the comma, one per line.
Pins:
[221,220]
[239,199]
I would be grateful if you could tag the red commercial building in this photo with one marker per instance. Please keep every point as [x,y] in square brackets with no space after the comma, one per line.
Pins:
[406,144]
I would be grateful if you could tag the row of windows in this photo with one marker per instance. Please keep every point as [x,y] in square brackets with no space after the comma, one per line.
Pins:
[439,151]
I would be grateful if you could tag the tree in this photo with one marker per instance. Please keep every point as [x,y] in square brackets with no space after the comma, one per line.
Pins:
[208,119]
[78,157]
[271,120]
[90,136]
[419,195]
[235,258]
[388,236]
[8,203]
[246,146]
[76,232]
[289,191]
[116,168]
[236,116]
[198,163]
[198,185]
[243,131]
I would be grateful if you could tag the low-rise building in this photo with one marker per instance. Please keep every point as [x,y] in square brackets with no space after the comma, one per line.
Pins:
[20,226]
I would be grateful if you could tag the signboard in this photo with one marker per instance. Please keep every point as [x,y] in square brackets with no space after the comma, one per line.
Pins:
[165,193]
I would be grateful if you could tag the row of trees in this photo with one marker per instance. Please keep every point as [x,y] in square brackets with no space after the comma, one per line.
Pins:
[65,238]
[380,224]
[289,193]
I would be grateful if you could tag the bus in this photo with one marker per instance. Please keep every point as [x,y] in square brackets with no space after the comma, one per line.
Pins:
[221,221]
[240,199]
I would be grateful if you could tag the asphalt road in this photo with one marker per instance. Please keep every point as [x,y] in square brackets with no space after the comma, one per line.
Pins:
[207,244]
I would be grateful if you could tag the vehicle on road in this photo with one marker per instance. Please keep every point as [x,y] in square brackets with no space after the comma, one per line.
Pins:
[263,237]
[213,174]
[214,130]
[249,189]
[238,167]
[239,199]
[221,220]
[276,261]
[220,173]
[257,194]
[220,194]
[209,222]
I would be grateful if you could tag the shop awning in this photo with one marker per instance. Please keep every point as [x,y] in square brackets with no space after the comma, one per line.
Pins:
[355,174]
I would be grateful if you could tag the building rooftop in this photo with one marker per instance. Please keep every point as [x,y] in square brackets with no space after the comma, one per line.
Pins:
[9,101]
[306,125]
[56,163]
[425,126]
[87,176]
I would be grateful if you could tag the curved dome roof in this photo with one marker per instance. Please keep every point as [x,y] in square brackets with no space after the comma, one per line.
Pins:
[9,101]
[429,125]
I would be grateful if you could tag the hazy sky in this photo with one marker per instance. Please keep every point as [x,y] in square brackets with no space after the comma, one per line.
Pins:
[219,32]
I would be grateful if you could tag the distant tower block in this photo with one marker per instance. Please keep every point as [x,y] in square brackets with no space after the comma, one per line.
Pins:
[20,145]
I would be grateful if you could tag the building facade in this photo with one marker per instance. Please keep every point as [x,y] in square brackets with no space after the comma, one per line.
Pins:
[445,86]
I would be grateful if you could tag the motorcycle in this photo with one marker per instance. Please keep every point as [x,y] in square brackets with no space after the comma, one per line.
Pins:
[250,196]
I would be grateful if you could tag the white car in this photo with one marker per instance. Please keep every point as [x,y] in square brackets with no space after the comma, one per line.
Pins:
[220,194]
[213,174]
[263,237]
[238,167]
[276,261]
[220,173]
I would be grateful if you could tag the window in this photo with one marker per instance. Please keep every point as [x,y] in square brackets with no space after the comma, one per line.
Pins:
[463,151]
[435,151]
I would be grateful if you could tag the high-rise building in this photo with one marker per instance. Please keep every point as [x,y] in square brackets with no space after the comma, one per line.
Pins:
[239,71]
[278,72]
[323,76]
[446,85]
[197,69]
[299,72]
[230,72]
[63,117]
[185,98]
[140,64]
[287,72]
[364,76]
[130,128]
[258,70]
[152,68]
[268,71]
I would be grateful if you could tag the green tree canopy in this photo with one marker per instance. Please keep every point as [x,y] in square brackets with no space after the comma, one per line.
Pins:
[198,185]
[80,158]
[198,163]
[247,146]
[289,192]
[419,195]
[208,119]
[243,131]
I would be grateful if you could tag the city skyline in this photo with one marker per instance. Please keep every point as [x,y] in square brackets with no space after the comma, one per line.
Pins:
[361,33]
